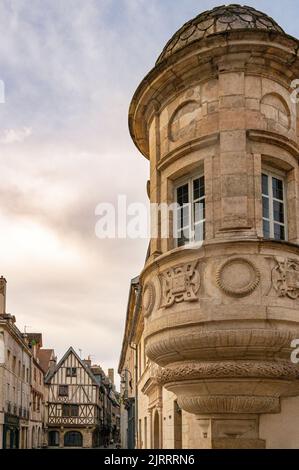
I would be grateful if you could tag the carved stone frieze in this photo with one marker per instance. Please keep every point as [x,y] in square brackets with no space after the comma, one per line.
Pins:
[285,278]
[238,277]
[251,369]
[180,283]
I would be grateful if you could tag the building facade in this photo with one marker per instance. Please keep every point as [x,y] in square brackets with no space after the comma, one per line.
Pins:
[217,302]
[15,373]
[79,404]
[37,396]
[127,370]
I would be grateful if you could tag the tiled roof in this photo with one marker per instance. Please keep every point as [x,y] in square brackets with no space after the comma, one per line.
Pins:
[44,356]
[218,20]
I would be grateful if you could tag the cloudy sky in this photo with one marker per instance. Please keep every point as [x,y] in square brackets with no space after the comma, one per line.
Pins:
[70,68]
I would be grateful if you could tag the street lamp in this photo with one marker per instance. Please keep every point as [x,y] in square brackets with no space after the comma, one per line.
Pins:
[123,380]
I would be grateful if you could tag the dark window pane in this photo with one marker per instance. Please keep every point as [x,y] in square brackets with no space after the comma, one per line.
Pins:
[278,211]
[265,187]
[63,390]
[182,194]
[71,371]
[199,211]
[279,233]
[202,186]
[266,229]
[53,438]
[266,207]
[198,188]
[182,238]
[70,410]
[277,186]
[181,241]
[73,439]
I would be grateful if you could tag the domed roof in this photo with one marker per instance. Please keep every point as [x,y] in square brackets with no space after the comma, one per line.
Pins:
[218,20]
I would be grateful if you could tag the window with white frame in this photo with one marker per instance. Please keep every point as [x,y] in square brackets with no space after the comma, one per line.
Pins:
[190,217]
[274,206]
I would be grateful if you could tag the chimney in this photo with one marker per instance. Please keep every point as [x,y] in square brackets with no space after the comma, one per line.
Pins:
[111,375]
[2,295]
[52,363]
[87,362]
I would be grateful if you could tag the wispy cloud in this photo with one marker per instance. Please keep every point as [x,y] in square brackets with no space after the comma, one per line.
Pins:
[11,136]
[70,69]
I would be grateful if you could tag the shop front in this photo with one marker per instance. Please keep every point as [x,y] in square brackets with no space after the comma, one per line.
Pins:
[11,432]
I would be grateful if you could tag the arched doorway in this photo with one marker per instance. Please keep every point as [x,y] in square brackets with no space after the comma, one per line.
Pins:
[53,439]
[73,439]
[156,430]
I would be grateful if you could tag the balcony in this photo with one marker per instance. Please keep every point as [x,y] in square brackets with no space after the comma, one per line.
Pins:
[220,325]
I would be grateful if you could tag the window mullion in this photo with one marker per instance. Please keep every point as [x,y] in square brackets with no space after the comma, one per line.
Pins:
[191,211]
[271,202]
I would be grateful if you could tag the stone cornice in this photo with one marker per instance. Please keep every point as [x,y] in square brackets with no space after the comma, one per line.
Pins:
[205,56]
[196,144]
[276,139]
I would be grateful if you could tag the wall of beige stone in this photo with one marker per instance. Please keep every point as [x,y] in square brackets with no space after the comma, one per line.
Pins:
[281,431]
[219,318]
[227,106]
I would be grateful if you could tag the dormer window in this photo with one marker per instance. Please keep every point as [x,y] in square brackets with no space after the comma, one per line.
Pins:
[274,206]
[190,216]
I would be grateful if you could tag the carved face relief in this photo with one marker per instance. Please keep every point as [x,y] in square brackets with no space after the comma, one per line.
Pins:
[285,278]
[238,277]
[180,283]
[148,299]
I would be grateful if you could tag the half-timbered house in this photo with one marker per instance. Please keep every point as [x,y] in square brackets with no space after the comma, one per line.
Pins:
[73,404]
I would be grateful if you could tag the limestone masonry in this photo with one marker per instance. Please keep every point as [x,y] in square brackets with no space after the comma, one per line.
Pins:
[214,311]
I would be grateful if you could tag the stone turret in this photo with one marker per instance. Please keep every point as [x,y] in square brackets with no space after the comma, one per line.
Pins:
[216,119]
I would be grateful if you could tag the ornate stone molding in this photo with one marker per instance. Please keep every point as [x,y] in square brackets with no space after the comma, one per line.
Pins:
[208,344]
[148,299]
[229,404]
[238,277]
[285,278]
[251,369]
[180,284]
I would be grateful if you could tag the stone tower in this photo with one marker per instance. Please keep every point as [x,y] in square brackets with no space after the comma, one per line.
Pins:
[217,119]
